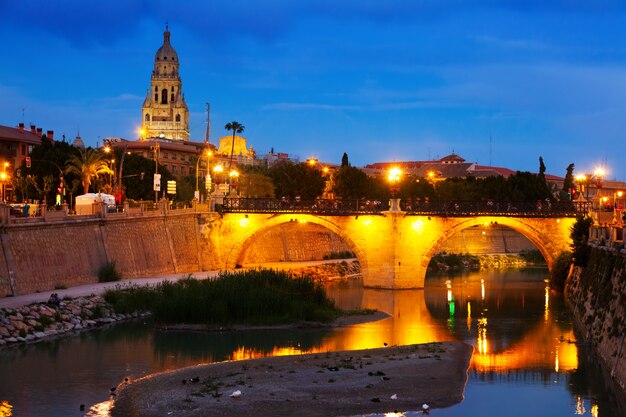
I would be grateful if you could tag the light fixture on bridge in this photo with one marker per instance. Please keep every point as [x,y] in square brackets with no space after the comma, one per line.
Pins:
[366,222]
[417,225]
[244,222]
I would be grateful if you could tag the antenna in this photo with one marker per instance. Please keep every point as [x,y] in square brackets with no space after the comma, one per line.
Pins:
[207,135]
[489,148]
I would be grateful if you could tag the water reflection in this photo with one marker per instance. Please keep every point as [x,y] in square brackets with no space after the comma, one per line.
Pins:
[523,338]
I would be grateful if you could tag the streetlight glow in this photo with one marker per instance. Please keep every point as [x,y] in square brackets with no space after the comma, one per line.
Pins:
[394,174]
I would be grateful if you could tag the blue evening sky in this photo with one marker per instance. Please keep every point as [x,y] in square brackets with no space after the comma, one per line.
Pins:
[380,80]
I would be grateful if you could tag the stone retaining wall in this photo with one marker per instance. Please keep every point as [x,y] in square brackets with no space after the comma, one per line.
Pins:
[43,256]
[597,297]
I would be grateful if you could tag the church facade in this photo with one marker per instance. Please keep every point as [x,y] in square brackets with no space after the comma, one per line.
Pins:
[164,111]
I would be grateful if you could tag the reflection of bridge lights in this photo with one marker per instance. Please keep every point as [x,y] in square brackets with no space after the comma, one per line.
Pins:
[556,360]
[482,336]
[580,406]
[594,410]
[395,414]
[469,316]
[417,225]
[482,289]
[546,310]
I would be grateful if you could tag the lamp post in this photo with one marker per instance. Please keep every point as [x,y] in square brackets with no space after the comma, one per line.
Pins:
[394,177]
[218,171]
[598,174]
[4,177]
[616,197]
[232,176]
[208,154]
[157,178]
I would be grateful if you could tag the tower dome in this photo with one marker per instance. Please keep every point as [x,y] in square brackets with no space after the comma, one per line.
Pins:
[166,52]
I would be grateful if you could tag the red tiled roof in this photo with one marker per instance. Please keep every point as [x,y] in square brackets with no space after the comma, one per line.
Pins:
[13,134]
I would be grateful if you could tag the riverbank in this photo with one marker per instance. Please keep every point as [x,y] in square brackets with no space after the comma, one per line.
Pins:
[44,320]
[321,384]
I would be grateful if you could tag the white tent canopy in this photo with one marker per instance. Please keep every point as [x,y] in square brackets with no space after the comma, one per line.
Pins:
[84,203]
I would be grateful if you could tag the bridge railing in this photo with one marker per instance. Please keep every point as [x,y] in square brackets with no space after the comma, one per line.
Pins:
[497,208]
[417,207]
[319,206]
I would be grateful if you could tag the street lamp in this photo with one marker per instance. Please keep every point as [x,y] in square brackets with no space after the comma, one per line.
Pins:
[4,177]
[581,179]
[394,177]
[218,171]
[233,175]
[208,154]
[616,197]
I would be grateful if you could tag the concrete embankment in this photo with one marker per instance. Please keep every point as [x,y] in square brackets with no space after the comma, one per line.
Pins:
[597,297]
[320,384]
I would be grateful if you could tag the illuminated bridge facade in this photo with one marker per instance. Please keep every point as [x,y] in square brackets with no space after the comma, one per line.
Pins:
[394,247]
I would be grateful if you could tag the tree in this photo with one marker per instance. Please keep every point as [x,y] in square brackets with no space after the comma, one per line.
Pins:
[255,185]
[568,183]
[89,164]
[236,127]
[344,160]
[351,183]
[542,168]
[293,180]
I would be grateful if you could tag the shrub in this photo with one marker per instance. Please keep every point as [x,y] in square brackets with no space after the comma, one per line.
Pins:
[560,269]
[580,237]
[109,273]
[250,297]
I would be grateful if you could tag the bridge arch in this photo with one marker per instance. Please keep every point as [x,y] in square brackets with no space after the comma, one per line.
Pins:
[249,228]
[550,236]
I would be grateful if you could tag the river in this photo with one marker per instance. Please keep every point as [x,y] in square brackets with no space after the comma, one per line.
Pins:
[527,360]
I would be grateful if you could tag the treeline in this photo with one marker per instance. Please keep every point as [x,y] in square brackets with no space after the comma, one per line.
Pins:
[292,180]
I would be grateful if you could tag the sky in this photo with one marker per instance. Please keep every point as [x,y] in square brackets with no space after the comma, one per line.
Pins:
[498,82]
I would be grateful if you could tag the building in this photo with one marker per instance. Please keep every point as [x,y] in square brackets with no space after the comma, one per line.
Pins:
[18,143]
[164,111]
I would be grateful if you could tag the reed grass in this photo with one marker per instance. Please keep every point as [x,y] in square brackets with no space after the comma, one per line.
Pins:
[243,297]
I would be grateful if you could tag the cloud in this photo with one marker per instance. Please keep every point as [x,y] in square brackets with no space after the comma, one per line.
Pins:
[84,23]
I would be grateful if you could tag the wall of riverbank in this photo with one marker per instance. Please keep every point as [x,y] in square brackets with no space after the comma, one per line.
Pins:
[37,257]
[597,297]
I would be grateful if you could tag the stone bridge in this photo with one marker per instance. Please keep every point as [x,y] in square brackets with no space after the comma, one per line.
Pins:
[394,248]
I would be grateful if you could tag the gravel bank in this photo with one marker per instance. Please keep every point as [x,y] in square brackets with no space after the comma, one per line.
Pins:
[324,384]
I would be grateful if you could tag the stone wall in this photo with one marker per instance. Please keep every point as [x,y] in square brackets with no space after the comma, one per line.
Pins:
[44,256]
[294,242]
[480,240]
[597,297]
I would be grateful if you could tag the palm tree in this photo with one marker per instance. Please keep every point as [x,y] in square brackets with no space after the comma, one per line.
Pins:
[236,127]
[87,165]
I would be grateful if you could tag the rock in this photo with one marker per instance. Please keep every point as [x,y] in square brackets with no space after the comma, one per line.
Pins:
[4,332]
[11,340]
[20,339]
[2,342]
[29,337]
[39,335]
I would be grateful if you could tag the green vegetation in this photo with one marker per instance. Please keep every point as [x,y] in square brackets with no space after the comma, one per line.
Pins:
[560,270]
[244,297]
[580,236]
[533,257]
[453,262]
[109,273]
[340,255]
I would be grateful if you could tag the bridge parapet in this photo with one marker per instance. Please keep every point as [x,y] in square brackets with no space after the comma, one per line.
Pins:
[339,207]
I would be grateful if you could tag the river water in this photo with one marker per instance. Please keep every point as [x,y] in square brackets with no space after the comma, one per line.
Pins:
[526,362]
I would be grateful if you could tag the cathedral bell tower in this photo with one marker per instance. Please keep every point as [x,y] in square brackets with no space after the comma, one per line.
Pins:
[165,112]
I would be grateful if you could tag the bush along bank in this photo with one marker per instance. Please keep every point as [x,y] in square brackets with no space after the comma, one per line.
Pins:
[42,320]
[454,262]
[252,297]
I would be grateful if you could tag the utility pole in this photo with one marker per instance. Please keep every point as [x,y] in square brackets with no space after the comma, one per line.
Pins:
[208,124]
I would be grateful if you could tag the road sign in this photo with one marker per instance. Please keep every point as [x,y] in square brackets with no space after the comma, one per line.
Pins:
[157,182]
[171,187]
